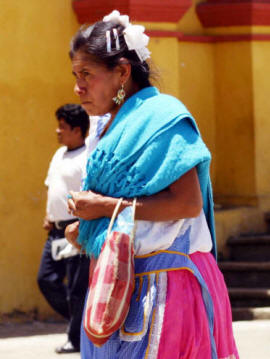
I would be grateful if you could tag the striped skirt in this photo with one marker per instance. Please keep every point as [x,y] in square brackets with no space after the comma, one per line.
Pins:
[168,320]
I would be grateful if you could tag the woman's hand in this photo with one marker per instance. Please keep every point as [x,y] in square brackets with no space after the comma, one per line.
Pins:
[86,205]
[71,234]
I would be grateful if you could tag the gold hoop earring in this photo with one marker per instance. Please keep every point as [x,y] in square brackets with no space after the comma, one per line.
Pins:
[120,97]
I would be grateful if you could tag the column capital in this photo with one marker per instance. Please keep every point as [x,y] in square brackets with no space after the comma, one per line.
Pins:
[216,13]
[89,11]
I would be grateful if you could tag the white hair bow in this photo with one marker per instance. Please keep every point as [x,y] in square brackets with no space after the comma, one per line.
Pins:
[134,34]
[137,40]
[117,18]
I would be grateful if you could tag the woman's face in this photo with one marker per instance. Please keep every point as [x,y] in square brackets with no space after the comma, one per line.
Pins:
[95,84]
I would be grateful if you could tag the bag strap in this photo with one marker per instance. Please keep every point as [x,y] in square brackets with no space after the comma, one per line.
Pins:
[116,209]
[115,212]
[134,208]
[133,217]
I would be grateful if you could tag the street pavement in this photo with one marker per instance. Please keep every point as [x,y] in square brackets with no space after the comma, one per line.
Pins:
[253,339]
[37,340]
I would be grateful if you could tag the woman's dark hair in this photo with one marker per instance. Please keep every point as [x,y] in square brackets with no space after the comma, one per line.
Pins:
[75,116]
[92,41]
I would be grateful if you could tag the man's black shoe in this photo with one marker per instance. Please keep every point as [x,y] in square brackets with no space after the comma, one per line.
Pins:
[67,348]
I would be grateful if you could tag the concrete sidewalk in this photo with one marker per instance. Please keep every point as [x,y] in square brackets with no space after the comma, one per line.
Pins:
[253,339]
[35,340]
[38,340]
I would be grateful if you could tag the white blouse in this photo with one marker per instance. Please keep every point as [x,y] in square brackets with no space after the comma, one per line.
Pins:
[154,236]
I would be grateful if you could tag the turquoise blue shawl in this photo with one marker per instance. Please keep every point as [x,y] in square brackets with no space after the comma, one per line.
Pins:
[152,142]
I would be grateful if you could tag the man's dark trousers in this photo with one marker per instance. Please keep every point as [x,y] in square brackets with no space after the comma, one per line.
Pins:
[66,299]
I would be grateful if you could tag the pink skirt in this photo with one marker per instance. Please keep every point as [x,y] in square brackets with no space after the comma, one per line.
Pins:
[178,327]
[185,325]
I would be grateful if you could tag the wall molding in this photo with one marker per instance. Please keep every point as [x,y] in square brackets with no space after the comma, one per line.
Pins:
[89,11]
[216,13]
[208,38]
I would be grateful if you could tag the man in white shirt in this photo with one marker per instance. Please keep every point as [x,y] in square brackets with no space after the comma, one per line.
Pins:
[59,260]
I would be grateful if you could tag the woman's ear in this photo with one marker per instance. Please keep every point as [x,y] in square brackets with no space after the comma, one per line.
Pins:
[124,68]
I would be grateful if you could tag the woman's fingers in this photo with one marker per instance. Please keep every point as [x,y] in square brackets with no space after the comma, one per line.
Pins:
[84,204]
[72,199]
[75,199]
[71,234]
[71,206]
[72,194]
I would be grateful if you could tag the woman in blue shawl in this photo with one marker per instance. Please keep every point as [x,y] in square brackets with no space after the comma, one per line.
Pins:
[150,149]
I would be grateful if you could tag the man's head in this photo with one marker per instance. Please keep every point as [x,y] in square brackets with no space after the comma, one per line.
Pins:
[73,125]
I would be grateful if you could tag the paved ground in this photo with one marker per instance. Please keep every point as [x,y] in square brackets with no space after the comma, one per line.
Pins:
[253,339]
[37,340]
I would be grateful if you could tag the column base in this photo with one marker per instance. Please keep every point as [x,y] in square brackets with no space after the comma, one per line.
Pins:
[216,13]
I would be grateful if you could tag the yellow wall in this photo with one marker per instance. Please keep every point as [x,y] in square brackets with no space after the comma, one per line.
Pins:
[242,127]
[167,71]
[235,183]
[34,80]
[190,23]
[197,89]
[261,86]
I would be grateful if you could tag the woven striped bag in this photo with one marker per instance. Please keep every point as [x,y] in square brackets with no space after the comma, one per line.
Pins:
[111,283]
